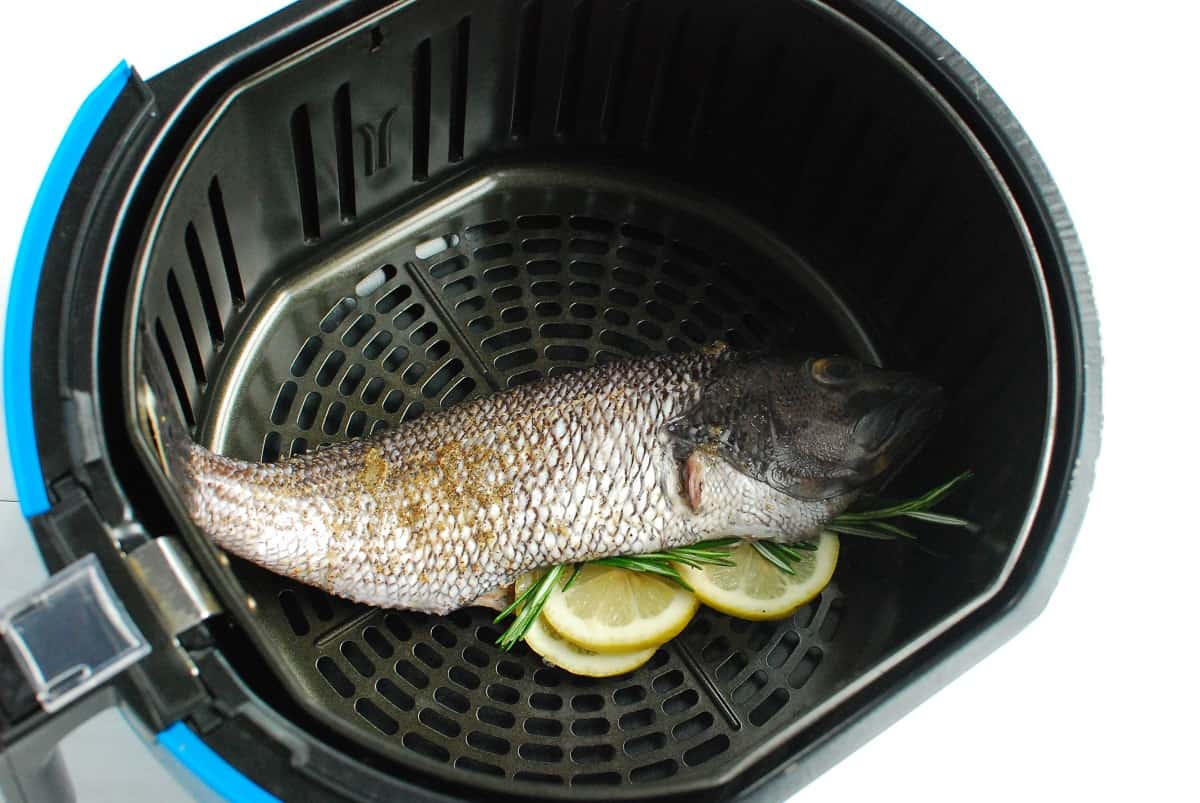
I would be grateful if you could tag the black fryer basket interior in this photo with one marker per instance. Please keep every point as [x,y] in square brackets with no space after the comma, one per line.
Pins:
[453,198]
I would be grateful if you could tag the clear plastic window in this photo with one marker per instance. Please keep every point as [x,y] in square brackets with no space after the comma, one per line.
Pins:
[72,635]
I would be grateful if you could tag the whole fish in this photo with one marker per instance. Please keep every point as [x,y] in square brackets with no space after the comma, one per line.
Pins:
[623,458]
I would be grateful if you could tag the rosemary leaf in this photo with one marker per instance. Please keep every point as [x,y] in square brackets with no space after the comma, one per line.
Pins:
[862,532]
[716,543]
[938,518]
[920,503]
[767,550]
[796,551]
[528,607]
[894,529]
[574,574]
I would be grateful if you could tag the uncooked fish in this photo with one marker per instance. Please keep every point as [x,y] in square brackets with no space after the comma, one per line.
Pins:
[619,459]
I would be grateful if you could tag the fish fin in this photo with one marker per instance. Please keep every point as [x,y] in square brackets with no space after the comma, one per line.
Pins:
[693,480]
[497,600]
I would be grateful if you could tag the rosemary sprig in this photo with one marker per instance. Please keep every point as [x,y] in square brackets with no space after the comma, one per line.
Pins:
[914,508]
[782,556]
[880,523]
[710,553]
[528,606]
[876,524]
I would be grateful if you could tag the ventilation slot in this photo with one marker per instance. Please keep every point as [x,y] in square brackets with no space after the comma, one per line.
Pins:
[536,726]
[354,335]
[357,425]
[577,39]
[618,74]
[283,403]
[272,446]
[804,670]
[667,69]
[293,613]
[597,779]
[706,751]
[185,327]
[458,89]
[537,777]
[337,314]
[636,720]
[334,675]
[333,363]
[306,174]
[714,87]
[204,284]
[351,380]
[478,766]
[308,411]
[168,357]
[304,357]
[833,618]
[374,714]
[654,772]
[594,726]
[333,418]
[421,78]
[527,59]
[321,604]
[216,203]
[376,641]
[769,707]
[692,727]
[343,128]
[395,695]
[486,742]
[425,747]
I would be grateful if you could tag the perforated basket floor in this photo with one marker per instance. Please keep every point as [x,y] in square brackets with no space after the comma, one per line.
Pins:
[537,272]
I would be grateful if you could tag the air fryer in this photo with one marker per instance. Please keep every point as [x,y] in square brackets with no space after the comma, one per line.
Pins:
[352,214]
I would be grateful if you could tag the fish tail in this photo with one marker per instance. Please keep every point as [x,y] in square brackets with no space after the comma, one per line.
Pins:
[162,421]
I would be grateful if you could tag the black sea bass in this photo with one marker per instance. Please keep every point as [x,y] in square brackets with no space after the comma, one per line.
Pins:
[621,459]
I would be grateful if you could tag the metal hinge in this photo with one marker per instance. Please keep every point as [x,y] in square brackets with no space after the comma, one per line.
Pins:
[172,581]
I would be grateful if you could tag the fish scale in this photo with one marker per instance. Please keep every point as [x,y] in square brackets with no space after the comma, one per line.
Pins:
[455,505]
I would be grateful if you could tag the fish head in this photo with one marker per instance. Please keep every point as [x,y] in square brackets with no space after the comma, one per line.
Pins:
[815,428]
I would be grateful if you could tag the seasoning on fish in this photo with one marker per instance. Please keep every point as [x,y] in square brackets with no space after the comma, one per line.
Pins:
[623,458]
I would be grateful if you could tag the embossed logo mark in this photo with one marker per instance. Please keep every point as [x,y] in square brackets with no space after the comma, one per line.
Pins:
[377,143]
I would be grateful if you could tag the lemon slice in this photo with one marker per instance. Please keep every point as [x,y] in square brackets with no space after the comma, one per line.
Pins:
[611,610]
[555,649]
[754,589]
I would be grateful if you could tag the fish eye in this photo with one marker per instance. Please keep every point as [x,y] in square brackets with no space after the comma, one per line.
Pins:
[834,370]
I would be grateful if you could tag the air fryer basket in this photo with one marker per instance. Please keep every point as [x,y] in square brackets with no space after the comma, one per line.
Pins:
[446,199]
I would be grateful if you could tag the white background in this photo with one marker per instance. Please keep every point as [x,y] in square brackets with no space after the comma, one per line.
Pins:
[1097,699]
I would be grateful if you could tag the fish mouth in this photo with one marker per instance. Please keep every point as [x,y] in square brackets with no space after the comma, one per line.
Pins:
[889,435]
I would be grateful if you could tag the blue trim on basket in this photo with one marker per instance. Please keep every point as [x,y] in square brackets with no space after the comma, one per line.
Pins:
[27,274]
[214,771]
